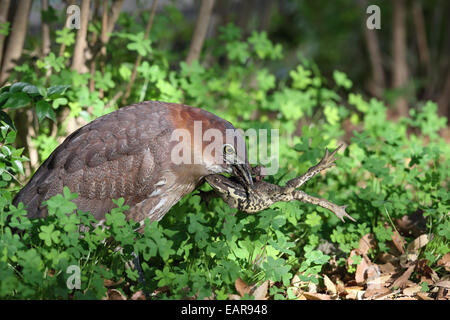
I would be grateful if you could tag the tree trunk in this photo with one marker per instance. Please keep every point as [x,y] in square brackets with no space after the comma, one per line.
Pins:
[200,31]
[16,39]
[399,48]
[115,11]
[377,85]
[422,43]
[444,99]
[45,31]
[4,7]
[148,28]
[78,62]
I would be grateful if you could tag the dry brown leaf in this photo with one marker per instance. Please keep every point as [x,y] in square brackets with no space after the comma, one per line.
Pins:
[412,224]
[340,287]
[411,291]
[316,296]
[354,292]
[423,269]
[378,281]
[138,296]
[398,241]
[361,270]
[387,257]
[260,292]
[387,268]
[234,297]
[367,243]
[114,294]
[312,287]
[445,262]
[440,295]
[418,243]
[112,283]
[241,287]
[423,296]
[301,296]
[443,284]
[331,287]
[163,290]
[405,298]
[401,281]
[376,293]
[354,252]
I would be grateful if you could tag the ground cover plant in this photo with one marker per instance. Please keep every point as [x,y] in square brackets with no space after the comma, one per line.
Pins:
[393,174]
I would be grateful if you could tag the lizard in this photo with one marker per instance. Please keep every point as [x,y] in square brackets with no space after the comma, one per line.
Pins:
[263,194]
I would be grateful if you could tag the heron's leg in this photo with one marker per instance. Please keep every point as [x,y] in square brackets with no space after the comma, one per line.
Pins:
[141,279]
[326,162]
[339,211]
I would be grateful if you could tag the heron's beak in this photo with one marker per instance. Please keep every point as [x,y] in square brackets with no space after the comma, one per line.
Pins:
[242,171]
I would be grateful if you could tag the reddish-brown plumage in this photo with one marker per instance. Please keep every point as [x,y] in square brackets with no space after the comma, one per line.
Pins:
[126,154]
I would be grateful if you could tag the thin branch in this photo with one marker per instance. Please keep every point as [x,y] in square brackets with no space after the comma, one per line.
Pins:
[4,7]
[16,39]
[200,31]
[419,24]
[399,48]
[78,62]
[115,11]
[45,31]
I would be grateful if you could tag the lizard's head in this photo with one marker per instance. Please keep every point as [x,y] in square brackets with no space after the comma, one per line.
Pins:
[224,185]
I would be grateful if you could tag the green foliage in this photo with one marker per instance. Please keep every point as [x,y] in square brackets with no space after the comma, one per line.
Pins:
[389,169]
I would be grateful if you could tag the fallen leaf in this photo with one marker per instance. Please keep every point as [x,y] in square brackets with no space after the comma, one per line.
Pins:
[114,294]
[423,269]
[354,252]
[440,295]
[400,282]
[387,257]
[445,262]
[412,257]
[411,291]
[378,281]
[340,287]
[367,243]
[443,284]
[376,293]
[387,268]
[361,270]
[418,243]
[301,296]
[353,292]
[112,283]
[405,298]
[312,287]
[331,287]
[234,297]
[316,296]
[398,241]
[138,296]
[241,287]
[412,224]
[423,296]
[260,293]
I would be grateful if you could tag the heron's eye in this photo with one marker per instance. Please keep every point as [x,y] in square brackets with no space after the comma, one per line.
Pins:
[228,149]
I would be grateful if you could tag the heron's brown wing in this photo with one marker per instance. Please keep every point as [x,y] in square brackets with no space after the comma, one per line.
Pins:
[113,156]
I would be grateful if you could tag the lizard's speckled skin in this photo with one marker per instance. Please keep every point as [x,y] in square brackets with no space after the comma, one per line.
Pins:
[263,194]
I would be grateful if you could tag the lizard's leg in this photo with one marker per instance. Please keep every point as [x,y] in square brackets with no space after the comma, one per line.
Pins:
[207,196]
[339,211]
[326,162]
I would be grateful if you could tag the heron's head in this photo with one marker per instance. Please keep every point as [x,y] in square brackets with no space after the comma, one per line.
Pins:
[238,163]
